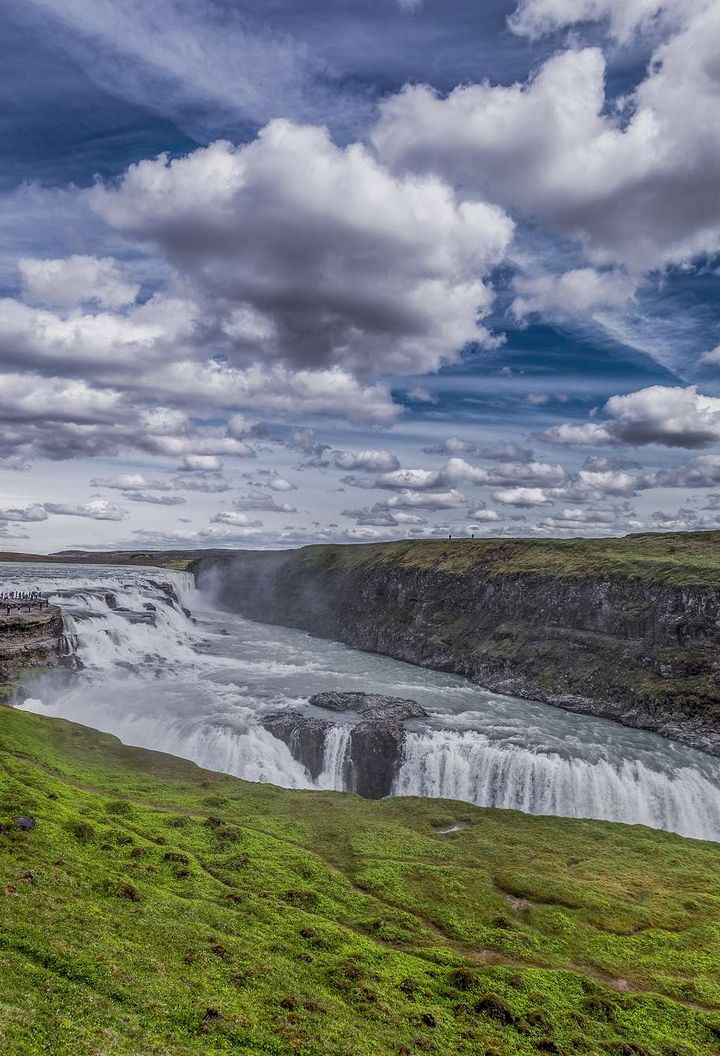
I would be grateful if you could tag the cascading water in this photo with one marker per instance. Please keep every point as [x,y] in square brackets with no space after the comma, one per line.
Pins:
[200,687]
[467,766]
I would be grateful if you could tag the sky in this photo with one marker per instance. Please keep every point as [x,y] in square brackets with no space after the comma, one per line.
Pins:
[276,273]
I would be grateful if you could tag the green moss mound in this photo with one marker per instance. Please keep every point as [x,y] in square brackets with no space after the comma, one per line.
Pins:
[156,908]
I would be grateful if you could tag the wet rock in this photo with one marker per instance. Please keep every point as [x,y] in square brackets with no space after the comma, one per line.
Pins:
[111,601]
[371,706]
[25,822]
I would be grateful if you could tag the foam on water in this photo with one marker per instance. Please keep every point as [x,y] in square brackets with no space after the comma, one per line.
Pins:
[199,688]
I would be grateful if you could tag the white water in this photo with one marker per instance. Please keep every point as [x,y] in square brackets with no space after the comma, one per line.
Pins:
[199,690]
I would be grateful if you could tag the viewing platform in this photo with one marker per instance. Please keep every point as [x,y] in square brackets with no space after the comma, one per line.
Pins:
[22,605]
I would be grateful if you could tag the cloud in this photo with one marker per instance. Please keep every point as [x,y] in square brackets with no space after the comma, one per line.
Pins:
[347,267]
[484,516]
[201,483]
[508,451]
[236,520]
[577,292]
[420,500]
[181,60]
[700,472]
[459,471]
[97,510]
[525,498]
[635,182]
[201,464]
[130,482]
[262,502]
[671,416]
[24,514]
[77,280]
[154,500]
[382,517]
[369,460]
[575,521]
[535,18]
[280,484]
[239,425]
[587,485]
[590,434]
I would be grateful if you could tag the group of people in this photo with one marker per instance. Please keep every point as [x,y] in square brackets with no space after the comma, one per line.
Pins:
[23,597]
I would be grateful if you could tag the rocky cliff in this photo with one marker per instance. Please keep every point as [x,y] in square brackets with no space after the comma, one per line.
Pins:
[29,639]
[627,629]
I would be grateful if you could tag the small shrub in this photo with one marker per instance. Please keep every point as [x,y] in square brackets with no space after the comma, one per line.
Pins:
[495,1007]
[174,856]
[82,831]
[409,987]
[464,979]
[598,1007]
[118,806]
[119,889]
[301,898]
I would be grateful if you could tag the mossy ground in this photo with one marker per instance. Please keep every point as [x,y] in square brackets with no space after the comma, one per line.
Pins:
[158,908]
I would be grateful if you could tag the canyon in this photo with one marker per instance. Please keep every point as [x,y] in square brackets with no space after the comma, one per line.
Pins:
[622,629]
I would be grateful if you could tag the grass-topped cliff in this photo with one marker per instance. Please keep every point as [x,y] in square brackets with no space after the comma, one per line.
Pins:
[159,909]
[678,559]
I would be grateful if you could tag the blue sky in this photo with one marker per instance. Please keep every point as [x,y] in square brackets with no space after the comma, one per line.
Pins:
[275,273]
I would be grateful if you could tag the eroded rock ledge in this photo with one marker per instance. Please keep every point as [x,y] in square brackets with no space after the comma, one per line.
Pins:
[374,749]
[29,639]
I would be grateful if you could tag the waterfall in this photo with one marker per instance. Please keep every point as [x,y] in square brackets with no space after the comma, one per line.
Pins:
[337,742]
[148,673]
[468,766]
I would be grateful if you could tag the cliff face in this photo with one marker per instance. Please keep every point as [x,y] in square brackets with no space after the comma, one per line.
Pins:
[627,644]
[29,639]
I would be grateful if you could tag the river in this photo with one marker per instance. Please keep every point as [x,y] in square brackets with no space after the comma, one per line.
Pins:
[198,688]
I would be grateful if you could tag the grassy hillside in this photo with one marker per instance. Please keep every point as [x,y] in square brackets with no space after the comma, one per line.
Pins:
[157,908]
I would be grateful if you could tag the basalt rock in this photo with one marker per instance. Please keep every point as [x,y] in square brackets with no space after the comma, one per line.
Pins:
[375,744]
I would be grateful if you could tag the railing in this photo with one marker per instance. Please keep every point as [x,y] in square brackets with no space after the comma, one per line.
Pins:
[8,605]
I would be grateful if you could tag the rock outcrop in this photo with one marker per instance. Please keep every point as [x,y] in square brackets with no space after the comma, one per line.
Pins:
[375,741]
[633,640]
[29,639]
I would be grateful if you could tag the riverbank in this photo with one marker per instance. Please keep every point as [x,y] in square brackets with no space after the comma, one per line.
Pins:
[626,629]
[227,915]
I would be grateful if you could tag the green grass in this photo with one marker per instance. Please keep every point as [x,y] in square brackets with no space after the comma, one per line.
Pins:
[158,908]
[680,559]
